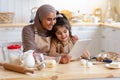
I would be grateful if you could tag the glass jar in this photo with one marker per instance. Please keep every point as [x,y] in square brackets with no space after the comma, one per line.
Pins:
[14,53]
[109,13]
[98,15]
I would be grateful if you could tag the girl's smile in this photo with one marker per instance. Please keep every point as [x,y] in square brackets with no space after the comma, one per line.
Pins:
[62,34]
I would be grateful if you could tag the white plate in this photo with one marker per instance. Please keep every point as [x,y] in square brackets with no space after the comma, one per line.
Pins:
[112,67]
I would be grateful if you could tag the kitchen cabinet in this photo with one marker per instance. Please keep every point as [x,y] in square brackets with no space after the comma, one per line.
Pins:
[103,38]
[10,34]
[110,39]
[85,32]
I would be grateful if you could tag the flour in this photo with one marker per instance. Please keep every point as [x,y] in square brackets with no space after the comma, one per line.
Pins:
[15,59]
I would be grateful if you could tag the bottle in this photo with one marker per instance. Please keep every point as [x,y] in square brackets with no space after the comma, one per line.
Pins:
[98,15]
[109,13]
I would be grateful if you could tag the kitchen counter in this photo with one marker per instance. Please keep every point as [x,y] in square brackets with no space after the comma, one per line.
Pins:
[12,25]
[71,71]
[113,25]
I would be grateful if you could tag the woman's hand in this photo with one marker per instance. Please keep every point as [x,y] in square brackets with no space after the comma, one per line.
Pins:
[65,59]
[86,55]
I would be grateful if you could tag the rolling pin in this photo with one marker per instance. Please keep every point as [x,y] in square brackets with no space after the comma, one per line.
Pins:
[15,68]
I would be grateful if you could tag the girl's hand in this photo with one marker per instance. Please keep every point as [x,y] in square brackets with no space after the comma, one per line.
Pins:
[86,55]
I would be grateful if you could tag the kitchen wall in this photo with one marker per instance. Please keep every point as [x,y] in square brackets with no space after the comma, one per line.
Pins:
[22,8]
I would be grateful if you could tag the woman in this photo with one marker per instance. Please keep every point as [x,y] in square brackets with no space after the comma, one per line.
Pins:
[37,36]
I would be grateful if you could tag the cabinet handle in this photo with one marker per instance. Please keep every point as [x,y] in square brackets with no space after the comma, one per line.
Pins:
[9,29]
[103,37]
[113,30]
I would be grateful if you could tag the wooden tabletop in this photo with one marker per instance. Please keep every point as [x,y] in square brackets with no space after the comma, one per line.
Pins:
[73,70]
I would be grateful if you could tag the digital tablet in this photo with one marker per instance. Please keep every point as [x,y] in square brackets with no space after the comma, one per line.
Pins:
[79,47]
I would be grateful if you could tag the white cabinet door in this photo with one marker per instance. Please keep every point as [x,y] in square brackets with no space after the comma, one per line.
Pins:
[85,32]
[10,34]
[110,39]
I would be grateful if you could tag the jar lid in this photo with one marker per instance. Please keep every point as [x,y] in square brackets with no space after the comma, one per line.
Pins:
[14,47]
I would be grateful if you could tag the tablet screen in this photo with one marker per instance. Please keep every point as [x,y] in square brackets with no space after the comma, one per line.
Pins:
[79,47]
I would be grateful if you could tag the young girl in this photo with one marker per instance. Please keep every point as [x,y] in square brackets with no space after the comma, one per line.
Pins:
[62,39]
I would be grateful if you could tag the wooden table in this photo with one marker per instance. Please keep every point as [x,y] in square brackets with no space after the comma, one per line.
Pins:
[71,71]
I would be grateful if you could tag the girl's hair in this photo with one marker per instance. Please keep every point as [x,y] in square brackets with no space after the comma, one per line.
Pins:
[61,21]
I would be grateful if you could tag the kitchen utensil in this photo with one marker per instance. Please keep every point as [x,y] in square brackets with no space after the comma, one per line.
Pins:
[50,63]
[28,59]
[40,61]
[107,60]
[4,57]
[15,68]
[58,58]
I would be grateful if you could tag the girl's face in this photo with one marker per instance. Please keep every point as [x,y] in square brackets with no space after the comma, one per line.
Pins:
[62,34]
[48,21]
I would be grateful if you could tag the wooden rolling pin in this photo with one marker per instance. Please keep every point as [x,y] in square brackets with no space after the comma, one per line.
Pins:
[16,68]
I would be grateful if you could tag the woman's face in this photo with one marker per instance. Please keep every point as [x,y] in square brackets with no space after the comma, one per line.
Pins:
[62,34]
[48,21]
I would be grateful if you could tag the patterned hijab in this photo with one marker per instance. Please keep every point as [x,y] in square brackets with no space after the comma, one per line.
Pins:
[40,14]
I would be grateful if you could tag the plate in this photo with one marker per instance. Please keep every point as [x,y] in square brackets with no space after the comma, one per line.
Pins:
[112,67]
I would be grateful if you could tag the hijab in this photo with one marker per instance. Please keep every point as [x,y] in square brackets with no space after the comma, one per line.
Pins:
[40,14]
